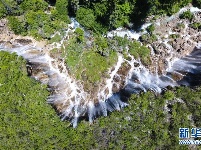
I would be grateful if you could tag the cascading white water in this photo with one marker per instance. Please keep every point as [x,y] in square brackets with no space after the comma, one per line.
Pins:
[69,96]
[66,92]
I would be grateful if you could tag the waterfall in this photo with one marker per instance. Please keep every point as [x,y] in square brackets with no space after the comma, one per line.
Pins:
[72,101]
[125,77]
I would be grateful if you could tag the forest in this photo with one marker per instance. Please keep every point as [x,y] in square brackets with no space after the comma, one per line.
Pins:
[150,121]
[26,16]
[28,122]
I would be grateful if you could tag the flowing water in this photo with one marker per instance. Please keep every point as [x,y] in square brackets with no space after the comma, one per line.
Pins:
[69,97]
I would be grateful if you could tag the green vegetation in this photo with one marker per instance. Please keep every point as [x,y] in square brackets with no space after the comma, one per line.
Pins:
[196,25]
[89,59]
[148,38]
[79,34]
[187,15]
[61,13]
[180,26]
[32,17]
[174,36]
[56,38]
[150,121]
[34,5]
[16,25]
[120,15]
[86,17]
[85,59]
[9,7]
[150,29]
[98,16]
[169,7]
[140,51]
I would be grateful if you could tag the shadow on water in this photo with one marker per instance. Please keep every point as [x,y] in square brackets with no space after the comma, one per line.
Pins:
[190,67]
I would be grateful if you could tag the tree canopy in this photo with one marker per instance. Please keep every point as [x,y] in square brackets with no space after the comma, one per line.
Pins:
[150,121]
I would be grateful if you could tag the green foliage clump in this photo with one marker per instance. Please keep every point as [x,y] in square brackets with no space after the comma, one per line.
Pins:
[61,12]
[98,16]
[34,18]
[2,10]
[9,7]
[174,36]
[56,38]
[87,62]
[196,25]
[169,7]
[34,5]
[150,29]
[120,15]
[86,17]
[180,26]
[79,34]
[147,38]
[139,51]
[94,15]
[192,98]
[16,25]
[144,124]
[102,46]
[27,121]
[151,122]
[187,15]
[22,105]
[90,60]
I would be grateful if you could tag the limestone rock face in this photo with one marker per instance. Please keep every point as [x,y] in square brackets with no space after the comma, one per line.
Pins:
[175,39]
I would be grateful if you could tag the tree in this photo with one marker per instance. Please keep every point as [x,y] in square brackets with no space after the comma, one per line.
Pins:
[120,15]
[61,11]
[34,5]
[86,17]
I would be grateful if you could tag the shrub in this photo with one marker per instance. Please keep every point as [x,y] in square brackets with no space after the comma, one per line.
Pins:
[174,36]
[187,15]
[17,26]
[80,34]
[180,26]
[2,10]
[150,28]
[147,38]
[196,25]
